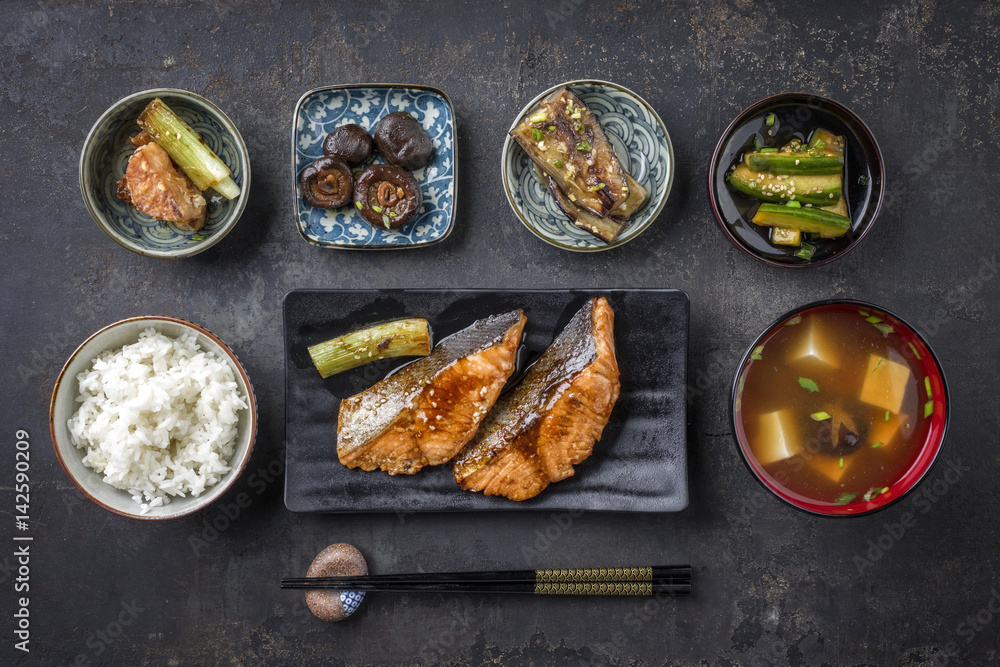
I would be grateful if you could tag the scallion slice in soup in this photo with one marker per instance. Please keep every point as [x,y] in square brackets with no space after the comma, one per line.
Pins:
[807,384]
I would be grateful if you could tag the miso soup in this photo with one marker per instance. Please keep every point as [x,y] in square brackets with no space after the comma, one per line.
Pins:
[836,403]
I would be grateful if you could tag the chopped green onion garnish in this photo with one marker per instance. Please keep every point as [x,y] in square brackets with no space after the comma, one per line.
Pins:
[392,214]
[915,353]
[377,209]
[875,369]
[386,222]
[770,120]
[794,204]
[807,384]
[863,313]
[536,134]
[359,205]
[841,463]
[819,145]
[877,445]
[551,127]
[873,319]
[768,150]
[820,416]
[845,498]
[756,352]
[884,489]
[806,251]
[198,237]
[884,328]
[558,164]
[595,188]
[575,115]
[927,386]
[539,117]
[794,320]
[584,146]
[887,415]
[928,408]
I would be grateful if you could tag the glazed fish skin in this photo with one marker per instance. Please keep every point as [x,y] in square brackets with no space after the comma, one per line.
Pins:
[575,152]
[157,188]
[536,433]
[426,412]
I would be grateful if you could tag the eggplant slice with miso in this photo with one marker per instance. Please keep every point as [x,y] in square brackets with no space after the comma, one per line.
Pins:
[578,164]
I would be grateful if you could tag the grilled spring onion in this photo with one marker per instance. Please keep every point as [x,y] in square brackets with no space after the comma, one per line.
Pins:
[399,338]
[186,148]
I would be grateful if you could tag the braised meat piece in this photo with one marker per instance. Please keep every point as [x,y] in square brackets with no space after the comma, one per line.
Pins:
[157,188]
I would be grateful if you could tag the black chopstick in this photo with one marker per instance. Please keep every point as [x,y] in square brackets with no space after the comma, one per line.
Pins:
[668,572]
[671,580]
[613,588]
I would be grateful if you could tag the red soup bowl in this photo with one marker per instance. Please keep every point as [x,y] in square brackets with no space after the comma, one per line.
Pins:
[784,476]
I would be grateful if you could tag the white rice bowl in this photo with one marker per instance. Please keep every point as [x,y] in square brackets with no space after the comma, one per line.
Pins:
[158,418]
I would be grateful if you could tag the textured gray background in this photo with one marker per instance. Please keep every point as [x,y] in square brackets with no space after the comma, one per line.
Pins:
[773,585]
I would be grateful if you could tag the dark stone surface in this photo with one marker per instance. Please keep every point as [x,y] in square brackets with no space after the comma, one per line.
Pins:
[773,585]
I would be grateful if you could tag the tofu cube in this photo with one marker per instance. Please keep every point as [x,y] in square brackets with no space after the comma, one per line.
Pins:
[830,466]
[776,437]
[885,383]
[888,432]
[816,346]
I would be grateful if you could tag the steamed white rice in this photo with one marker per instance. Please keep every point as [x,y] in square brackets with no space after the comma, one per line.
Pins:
[158,418]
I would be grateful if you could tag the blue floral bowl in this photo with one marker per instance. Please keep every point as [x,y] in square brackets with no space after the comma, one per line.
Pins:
[641,143]
[105,155]
[323,110]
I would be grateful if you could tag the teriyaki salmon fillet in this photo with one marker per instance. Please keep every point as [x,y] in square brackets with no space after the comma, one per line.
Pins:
[427,411]
[537,432]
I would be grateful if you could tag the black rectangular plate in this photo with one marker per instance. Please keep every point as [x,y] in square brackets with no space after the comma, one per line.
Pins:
[640,464]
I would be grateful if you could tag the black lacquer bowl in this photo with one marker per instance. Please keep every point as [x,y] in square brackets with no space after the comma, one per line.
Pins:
[796,114]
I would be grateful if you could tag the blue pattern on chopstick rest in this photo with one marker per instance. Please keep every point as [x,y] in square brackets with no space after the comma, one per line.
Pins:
[643,148]
[351,601]
[326,110]
[111,159]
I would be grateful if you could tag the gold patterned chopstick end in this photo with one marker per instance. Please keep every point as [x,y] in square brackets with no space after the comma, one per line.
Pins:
[594,588]
[594,574]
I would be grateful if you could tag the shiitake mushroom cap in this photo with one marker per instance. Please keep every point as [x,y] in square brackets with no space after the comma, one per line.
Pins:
[401,141]
[327,183]
[350,143]
[387,197]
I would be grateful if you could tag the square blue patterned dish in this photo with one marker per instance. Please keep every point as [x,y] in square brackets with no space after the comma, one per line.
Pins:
[323,110]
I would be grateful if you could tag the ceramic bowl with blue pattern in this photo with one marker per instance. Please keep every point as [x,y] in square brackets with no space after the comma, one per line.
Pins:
[643,147]
[105,156]
[321,111]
